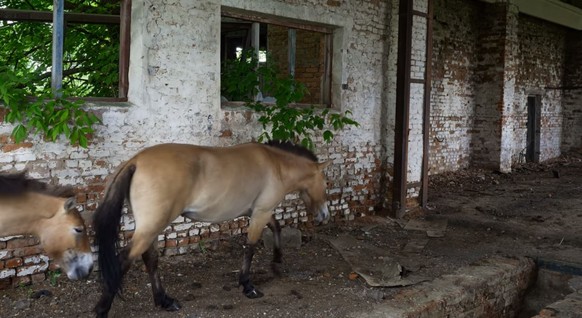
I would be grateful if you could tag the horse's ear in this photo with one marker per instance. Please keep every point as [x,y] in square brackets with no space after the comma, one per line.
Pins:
[323,165]
[70,204]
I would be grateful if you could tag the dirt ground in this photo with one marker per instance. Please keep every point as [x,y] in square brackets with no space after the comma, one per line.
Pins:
[533,211]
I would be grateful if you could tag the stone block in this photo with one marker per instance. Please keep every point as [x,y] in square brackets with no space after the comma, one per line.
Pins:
[290,238]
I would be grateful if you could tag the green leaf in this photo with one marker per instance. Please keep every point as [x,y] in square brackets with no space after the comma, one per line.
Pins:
[19,133]
[83,141]
[327,136]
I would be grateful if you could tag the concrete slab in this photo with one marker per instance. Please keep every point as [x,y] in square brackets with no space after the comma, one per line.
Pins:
[290,238]
[374,264]
[490,288]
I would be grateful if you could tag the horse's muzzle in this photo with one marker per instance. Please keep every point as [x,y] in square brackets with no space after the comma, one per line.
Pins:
[323,215]
[78,265]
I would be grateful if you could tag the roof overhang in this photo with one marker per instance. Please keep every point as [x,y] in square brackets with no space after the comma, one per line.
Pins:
[554,11]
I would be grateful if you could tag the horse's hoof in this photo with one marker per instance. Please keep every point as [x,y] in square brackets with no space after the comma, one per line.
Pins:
[254,293]
[100,315]
[174,306]
[171,304]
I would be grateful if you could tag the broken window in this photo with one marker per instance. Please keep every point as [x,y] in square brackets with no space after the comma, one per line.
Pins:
[93,58]
[300,50]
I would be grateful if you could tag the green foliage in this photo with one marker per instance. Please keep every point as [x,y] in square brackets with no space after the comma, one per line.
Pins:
[90,68]
[283,120]
[44,115]
[53,277]
[91,51]
[299,124]
[202,246]
[239,78]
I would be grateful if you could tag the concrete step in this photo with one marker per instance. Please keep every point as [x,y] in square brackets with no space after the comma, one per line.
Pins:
[493,287]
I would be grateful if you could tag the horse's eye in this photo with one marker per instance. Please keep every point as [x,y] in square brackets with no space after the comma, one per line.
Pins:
[79,230]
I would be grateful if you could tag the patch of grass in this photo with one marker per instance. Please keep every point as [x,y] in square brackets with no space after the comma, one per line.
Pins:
[53,277]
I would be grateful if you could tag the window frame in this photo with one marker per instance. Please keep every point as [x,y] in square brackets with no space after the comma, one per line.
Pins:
[123,19]
[327,30]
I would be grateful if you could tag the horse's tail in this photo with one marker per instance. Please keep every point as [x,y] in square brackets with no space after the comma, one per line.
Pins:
[106,224]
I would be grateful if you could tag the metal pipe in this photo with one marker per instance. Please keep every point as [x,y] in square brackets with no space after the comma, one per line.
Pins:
[58,41]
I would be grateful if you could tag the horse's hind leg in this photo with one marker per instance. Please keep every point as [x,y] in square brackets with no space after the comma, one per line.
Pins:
[150,258]
[277,255]
[104,304]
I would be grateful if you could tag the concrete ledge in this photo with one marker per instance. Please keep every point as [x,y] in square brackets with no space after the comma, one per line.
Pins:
[569,307]
[490,288]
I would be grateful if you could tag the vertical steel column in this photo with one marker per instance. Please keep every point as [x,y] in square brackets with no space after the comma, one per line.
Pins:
[256,37]
[58,42]
[402,108]
[125,43]
[426,112]
[292,43]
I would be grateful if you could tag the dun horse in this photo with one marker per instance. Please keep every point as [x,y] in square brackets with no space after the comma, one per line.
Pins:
[31,207]
[204,184]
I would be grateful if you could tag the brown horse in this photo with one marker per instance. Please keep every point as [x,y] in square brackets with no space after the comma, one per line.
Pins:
[28,206]
[205,184]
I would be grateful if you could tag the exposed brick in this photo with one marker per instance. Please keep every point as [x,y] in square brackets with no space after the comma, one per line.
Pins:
[21,242]
[12,147]
[4,138]
[27,251]
[226,133]
[21,281]
[37,278]
[53,266]
[81,198]
[13,262]
[171,243]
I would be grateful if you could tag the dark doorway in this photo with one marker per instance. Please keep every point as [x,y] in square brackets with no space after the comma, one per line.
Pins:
[533,129]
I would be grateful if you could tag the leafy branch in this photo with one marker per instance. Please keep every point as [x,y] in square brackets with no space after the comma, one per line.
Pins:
[45,116]
[299,124]
[243,78]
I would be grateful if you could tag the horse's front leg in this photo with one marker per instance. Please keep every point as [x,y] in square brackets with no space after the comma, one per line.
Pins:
[277,255]
[104,305]
[244,278]
[150,259]
[256,226]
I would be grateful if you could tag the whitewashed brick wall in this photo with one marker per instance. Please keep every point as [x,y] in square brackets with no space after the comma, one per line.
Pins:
[487,59]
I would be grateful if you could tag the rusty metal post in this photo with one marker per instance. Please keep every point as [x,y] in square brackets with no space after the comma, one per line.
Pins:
[426,112]
[402,108]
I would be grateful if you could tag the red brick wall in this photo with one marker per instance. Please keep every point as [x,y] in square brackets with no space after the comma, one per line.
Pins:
[487,58]
[572,132]
[309,58]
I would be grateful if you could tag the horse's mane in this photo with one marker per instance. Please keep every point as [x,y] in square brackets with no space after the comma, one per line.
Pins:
[18,183]
[292,148]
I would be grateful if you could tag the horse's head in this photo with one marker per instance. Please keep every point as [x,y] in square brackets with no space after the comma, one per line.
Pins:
[313,193]
[64,238]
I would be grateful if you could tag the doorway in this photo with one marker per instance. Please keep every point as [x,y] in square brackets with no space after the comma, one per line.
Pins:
[533,128]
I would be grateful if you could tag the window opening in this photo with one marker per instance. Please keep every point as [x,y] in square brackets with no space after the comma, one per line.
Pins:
[300,50]
[95,45]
